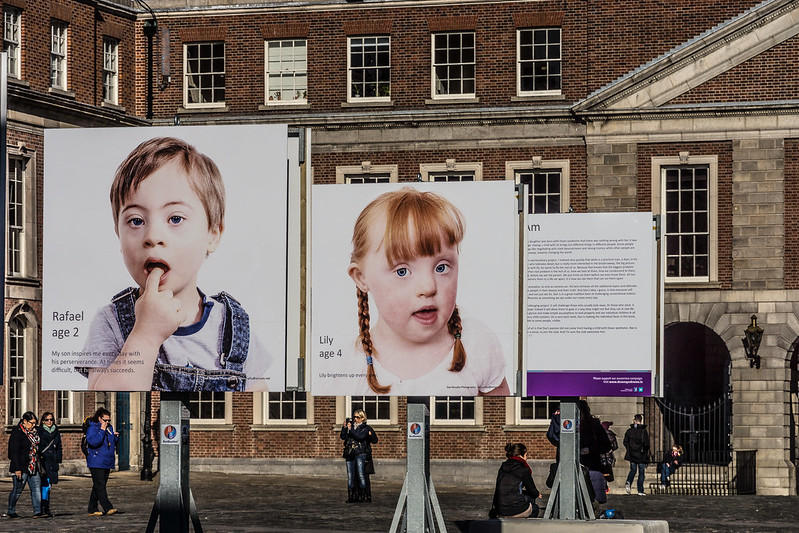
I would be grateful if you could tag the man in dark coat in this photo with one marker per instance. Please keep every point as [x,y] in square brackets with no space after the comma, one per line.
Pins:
[636,441]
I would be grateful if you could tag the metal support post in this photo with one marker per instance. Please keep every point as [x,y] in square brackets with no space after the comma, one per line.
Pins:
[569,499]
[418,506]
[174,503]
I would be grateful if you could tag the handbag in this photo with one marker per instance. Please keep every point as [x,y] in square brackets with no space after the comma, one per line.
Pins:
[369,466]
[351,450]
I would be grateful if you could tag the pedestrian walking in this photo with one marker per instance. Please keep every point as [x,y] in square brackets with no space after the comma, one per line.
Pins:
[636,441]
[609,459]
[50,455]
[358,437]
[101,440]
[23,446]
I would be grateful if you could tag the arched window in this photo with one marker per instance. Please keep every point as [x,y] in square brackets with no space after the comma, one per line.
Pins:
[21,363]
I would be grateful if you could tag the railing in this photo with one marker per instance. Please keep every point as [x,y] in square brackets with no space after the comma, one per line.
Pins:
[704,434]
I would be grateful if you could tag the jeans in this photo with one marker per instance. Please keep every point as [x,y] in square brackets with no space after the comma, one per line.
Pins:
[99,494]
[666,472]
[34,484]
[356,468]
[641,467]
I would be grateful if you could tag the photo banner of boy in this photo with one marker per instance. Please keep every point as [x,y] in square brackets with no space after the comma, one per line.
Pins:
[165,258]
[413,289]
[591,297]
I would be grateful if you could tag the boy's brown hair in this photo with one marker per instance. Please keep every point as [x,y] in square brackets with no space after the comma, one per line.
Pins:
[204,176]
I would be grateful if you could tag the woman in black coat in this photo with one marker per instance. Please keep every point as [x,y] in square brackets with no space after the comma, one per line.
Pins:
[23,444]
[515,491]
[50,450]
[358,437]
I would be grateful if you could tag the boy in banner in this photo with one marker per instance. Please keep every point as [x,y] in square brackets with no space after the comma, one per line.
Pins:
[168,202]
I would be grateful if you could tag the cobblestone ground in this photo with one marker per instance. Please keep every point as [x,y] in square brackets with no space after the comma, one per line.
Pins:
[237,503]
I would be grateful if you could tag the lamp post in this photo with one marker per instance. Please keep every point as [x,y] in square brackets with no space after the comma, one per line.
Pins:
[751,341]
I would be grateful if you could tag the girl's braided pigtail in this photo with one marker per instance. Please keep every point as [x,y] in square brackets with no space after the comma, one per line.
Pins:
[458,351]
[366,342]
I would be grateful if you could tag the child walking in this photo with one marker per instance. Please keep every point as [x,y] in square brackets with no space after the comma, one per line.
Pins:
[405,255]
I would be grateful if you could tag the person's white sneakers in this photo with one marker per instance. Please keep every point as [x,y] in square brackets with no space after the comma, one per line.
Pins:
[642,493]
[627,487]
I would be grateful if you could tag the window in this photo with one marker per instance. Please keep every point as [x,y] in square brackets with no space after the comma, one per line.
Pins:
[451,170]
[213,407]
[453,65]
[204,75]
[287,406]
[453,409]
[369,69]
[366,172]
[539,61]
[536,408]
[16,368]
[16,216]
[21,365]
[111,71]
[63,407]
[12,26]
[684,192]
[378,409]
[546,183]
[286,72]
[58,55]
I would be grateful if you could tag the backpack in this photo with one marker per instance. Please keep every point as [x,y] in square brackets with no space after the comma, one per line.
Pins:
[84,444]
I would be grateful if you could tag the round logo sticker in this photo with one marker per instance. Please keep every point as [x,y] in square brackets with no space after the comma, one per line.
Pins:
[170,432]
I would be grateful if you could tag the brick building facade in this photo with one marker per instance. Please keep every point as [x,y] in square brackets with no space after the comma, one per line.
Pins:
[603,101]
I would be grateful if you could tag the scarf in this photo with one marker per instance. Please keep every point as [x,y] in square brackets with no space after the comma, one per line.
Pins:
[522,461]
[49,429]
[33,436]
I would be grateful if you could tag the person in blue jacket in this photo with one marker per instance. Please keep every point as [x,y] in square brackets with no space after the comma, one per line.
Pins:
[102,442]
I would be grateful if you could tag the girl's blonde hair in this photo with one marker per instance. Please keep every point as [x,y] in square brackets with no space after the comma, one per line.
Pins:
[416,223]
[361,413]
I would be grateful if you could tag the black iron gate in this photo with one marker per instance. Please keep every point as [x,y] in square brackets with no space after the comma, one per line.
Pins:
[709,465]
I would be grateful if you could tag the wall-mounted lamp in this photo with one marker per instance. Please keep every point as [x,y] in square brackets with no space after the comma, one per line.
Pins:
[752,337]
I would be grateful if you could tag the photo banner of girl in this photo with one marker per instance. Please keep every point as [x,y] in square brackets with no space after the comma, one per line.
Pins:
[414,289]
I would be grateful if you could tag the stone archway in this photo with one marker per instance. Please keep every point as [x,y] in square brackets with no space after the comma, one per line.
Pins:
[696,365]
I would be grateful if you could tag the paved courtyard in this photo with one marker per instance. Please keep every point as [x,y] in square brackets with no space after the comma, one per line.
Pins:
[237,503]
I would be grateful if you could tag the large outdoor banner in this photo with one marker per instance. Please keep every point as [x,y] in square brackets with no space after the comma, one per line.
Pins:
[413,289]
[590,304]
[165,258]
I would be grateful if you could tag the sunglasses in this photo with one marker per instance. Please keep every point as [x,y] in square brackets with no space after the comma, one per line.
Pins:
[48,420]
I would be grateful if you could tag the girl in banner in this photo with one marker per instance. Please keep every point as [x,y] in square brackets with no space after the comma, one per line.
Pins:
[405,256]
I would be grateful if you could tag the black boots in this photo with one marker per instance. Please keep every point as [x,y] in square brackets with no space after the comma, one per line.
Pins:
[351,495]
[46,508]
[359,495]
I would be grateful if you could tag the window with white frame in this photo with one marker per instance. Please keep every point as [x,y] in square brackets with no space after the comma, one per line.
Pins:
[12,35]
[366,172]
[21,364]
[377,408]
[286,71]
[63,407]
[533,409]
[58,54]
[287,407]
[369,68]
[451,170]
[539,61]
[453,409]
[546,183]
[18,225]
[110,70]
[686,196]
[204,74]
[17,333]
[210,407]
[453,64]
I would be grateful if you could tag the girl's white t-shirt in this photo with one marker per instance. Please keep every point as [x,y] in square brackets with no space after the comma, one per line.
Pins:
[483,372]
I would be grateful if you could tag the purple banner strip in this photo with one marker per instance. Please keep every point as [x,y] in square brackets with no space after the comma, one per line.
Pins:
[589,383]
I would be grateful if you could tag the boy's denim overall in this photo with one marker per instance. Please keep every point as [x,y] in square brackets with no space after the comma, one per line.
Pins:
[235,345]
